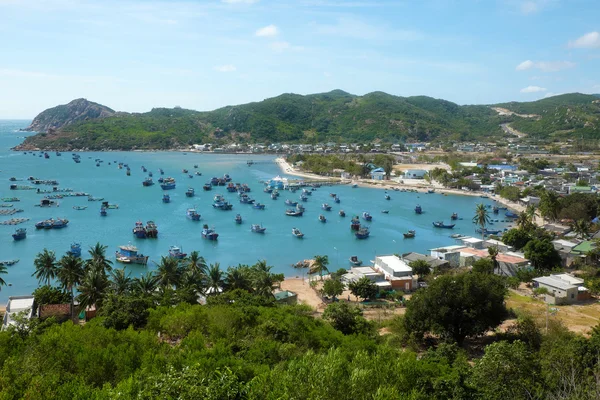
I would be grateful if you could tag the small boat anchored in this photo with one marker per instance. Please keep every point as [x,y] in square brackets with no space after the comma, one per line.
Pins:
[362,233]
[192,214]
[440,224]
[354,261]
[410,234]
[176,253]
[208,233]
[20,234]
[366,216]
[296,232]
[238,219]
[322,218]
[256,228]
[128,254]
[326,207]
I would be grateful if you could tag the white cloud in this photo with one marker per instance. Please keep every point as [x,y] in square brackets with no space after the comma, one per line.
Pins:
[225,68]
[267,31]
[280,46]
[589,41]
[533,89]
[545,66]
[533,6]
[239,1]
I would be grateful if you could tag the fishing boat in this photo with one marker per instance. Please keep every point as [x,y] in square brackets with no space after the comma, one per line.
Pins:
[144,169]
[418,209]
[293,213]
[9,263]
[238,219]
[151,230]
[52,223]
[108,206]
[90,198]
[195,165]
[355,223]
[440,224]
[10,199]
[161,179]
[354,261]
[103,212]
[300,207]
[20,234]
[303,197]
[362,233]
[245,199]
[223,205]
[190,192]
[166,198]
[139,231]
[387,197]
[128,254]
[185,171]
[296,232]
[231,187]
[48,203]
[198,173]
[495,210]
[336,199]
[258,206]
[214,181]
[256,228]
[291,203]
[307,192]
[410,234]
[161,171]
[430,191]
[268,189]
[274,196]
[148,182]
[218,198]
[150,174]
[168,183]
[75,250]
[79,208]
[192,214]
[332,195]
[484,196]
[511,214]
[454,216]
[209,234]
[488,231]
[325,207]
[128,170]
[176,253]
[366,216]
[207,186]
[354,185]
[342,213]
[385,211]
[322,218]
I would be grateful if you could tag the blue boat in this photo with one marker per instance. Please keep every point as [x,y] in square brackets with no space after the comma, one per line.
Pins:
[511,214]
[209,234]
[190,192]
[440,224]
[207,186]
[20,234]
[387,197]
[296,232]
[293,213]
[214,181]
[103,212]
[322,218]
[52,223]
[355,223]
[148,182]
[176,253]
[336,199]
[291,203]
[150,174]
[488,231]
[166,198]
[139,231]
[161,171]
[258,206]
[268,189]
[256,228]
[366,216]
[75,250]
[326,207]
[274,195]
[129,255]
[167,183]
[223,205]
[418,209]
[362,233]
[307,192]
[245,199]
[303,197]
[238,219]
[454,216]
[342,213]
[192,214]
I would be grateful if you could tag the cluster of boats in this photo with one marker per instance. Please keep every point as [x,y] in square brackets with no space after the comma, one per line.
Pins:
[52,223]
[149,231]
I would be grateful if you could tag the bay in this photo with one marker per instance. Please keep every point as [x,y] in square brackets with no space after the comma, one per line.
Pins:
[236,243]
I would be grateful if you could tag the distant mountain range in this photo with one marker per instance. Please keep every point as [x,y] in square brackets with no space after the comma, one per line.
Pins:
[333,116]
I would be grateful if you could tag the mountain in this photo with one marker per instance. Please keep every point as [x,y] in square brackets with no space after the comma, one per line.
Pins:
[559,117]
[66,114]
[335,116]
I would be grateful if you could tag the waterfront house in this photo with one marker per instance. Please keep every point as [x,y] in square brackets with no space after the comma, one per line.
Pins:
[357,273]
[396,271]
[414,174]
[378,174]
[435,264]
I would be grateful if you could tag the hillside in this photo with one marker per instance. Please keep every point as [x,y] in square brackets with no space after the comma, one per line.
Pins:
[66,114]
[564,116]
[334,116]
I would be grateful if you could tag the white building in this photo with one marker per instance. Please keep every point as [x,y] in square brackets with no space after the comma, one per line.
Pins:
[17,304]
[396,271]
[562,288]
[414,174]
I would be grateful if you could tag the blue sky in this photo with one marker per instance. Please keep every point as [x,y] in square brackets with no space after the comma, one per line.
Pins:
[135,55]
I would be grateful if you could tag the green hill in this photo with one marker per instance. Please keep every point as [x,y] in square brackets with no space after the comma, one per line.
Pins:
[334,116]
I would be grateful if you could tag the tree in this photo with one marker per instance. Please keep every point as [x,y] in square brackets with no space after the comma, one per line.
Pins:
[493,252]
[525,221]
[457,306]
[120,281]
[319,265]
[346,318]
[92,288]
[516,238]
[483,266]
[215,280]
[542,254]
[45,266]
[549,205]
[196,264]
[420,267]
[263,281]
[2,271]
[51,295]
[332,287]
[581,227]
[363,288]
[238,278]
[98,259]
[145,285]
[70,272]
[481,218]
[168,272]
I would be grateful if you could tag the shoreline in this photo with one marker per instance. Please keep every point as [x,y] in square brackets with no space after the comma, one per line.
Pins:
[419,185]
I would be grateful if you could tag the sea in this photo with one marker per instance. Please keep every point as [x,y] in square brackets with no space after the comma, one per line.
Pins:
[236,243]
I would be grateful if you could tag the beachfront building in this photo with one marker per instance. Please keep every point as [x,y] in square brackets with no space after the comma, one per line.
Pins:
[378,174]
[460,256]
[562,288]
[17,305]
[357,273]
[396,271]
[415,174]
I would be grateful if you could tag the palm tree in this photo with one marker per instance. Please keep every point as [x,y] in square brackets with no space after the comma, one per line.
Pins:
[493,253]
[214,279]
[121,281]
[45,266]
[168,272]
[581,228]
[70,272]
[319,265]
[195,263]
[146,284]
[481,218]
[524,220]
[98,258]
[237,278]
[3,271]
[263,283]
[92,288]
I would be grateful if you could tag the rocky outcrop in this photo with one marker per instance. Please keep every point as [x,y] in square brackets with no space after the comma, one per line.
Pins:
[77,110]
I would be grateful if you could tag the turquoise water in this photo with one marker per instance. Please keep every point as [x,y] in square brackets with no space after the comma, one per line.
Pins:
[236,244]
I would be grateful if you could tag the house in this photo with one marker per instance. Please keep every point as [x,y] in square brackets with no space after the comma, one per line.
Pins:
[378,174]
[396,271]
[374,276]
[285,297]
[16,305]
[562,288]
[414,174]
[508,263]
[434,263]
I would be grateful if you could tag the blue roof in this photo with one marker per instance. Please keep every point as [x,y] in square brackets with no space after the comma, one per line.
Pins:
[378,170]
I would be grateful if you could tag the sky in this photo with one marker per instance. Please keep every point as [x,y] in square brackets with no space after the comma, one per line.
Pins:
[134,55]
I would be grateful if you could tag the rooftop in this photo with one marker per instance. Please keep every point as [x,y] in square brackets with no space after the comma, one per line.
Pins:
[393,262]
[502,257]
[554,282]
